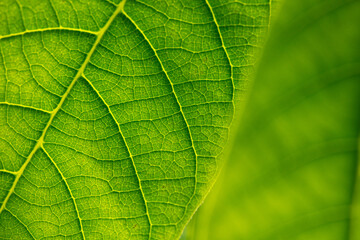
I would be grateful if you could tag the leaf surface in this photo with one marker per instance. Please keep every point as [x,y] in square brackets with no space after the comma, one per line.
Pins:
[292,172]
[113,116]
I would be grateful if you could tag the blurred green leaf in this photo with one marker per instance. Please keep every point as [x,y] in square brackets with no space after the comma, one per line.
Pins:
[293,168]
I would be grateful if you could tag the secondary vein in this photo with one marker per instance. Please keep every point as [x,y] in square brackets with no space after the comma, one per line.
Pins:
[177,100]
[25,106]
[71,195]
[223,46]
[49,29]
[128,150]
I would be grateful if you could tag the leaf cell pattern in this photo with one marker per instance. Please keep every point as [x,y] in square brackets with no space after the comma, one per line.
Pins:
[114,115]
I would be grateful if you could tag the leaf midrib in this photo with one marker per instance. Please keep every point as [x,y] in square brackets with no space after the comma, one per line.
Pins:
[40,141]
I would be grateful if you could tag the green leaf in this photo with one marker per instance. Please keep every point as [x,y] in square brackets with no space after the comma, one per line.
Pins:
[292,171]
[113,116]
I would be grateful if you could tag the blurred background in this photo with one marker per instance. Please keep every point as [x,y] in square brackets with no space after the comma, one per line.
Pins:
[292,170]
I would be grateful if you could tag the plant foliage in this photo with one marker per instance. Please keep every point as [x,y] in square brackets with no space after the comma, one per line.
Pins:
[113,116]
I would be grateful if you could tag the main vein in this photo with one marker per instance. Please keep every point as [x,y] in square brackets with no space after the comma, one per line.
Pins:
[40,141]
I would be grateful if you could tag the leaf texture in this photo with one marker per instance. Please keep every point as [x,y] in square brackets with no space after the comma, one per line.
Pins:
[113,116]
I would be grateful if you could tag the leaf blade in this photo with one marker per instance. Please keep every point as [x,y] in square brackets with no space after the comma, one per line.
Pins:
[125,122]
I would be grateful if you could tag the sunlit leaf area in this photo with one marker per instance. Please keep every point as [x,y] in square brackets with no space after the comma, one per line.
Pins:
[180,119]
